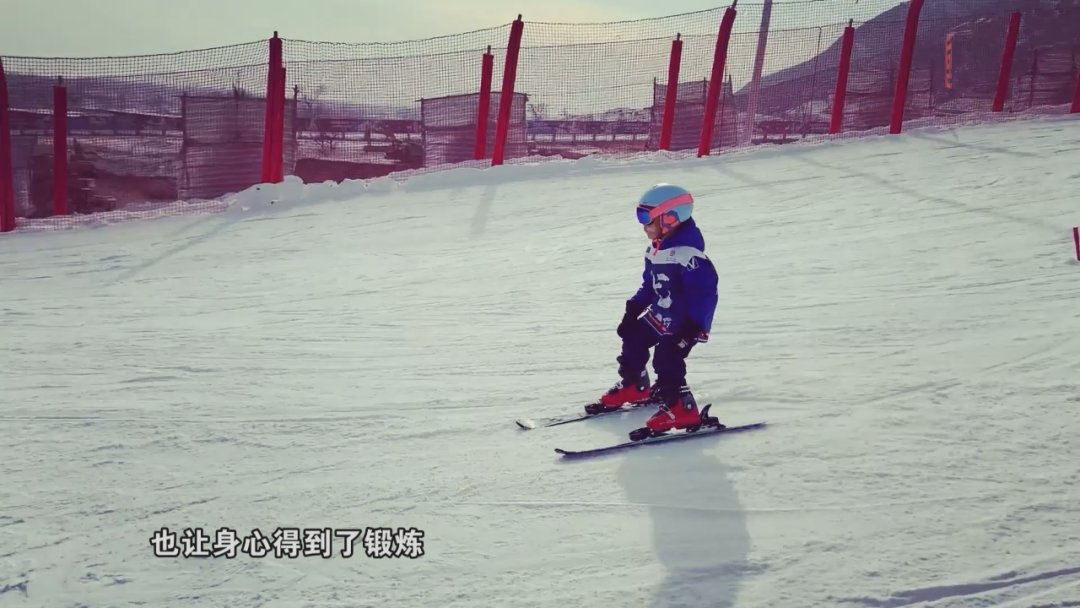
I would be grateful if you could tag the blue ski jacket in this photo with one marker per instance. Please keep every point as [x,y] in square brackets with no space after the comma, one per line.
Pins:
[679,284]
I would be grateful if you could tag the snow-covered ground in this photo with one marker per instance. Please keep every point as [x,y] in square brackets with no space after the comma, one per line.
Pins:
[903,311]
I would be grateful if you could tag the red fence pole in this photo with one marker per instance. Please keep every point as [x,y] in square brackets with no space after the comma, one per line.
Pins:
[715,82]
[1006,62]
[279,130]
[273,73]
[911,30]
[949,60]
[7,174]
[840,96]
[483,106]
[671,97]
[506,96]
[1076,97]
[60,149]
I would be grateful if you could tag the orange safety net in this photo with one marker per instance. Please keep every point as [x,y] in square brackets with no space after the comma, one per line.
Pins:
[180,130]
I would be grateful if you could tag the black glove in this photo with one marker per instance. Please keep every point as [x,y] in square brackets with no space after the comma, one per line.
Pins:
[633,311]
[686,336]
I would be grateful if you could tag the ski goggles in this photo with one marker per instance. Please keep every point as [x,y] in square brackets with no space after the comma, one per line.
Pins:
[646,213]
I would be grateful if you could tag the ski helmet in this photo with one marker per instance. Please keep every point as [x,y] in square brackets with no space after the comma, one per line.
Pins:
[672,203]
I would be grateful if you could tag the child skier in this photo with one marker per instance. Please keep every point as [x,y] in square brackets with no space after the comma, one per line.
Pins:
[678,296]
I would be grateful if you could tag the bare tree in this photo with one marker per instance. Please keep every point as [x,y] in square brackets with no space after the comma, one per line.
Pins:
[324,137]
[537,110]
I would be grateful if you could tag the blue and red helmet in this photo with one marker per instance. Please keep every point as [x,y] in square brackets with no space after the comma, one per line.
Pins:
[672,203]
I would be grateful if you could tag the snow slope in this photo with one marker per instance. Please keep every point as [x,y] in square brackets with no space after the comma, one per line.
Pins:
[901,310]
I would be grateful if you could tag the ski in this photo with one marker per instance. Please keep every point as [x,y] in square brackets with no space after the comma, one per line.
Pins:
[672,436]
[528,424]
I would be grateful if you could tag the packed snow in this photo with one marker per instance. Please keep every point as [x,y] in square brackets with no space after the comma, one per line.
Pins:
[901,310]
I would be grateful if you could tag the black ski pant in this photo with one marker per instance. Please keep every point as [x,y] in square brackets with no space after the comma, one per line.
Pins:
[669,361]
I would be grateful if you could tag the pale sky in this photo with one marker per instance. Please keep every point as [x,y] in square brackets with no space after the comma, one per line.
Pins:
[93,28]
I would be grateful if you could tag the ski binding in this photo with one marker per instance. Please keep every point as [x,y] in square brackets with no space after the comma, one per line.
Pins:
[645,436]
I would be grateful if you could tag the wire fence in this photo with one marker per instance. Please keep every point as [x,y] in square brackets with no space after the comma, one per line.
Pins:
[182,130]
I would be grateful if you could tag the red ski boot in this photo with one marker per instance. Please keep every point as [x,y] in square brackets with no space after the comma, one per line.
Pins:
[623,393]
[677,414]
